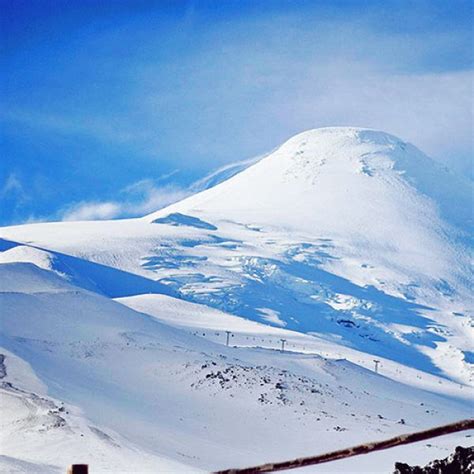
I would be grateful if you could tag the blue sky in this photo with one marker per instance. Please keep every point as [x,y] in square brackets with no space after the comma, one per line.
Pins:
[114,108]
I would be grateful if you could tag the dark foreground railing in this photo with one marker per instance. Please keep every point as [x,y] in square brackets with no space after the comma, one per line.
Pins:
[356,450]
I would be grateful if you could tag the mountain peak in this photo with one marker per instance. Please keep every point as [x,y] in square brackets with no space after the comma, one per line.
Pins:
[344,183]
[346,133]
[319,173]
[350,143]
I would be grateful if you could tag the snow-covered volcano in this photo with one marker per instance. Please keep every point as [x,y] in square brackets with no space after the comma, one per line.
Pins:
[342,182]
[364,206]
[347,243]
[369,191]
[350,234]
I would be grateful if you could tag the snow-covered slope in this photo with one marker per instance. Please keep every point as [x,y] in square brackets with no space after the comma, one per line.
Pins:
[86,379]
[101,279]
[41,434]
[46,324]
[212,324]
[347,243]
[349,234]
[378,200]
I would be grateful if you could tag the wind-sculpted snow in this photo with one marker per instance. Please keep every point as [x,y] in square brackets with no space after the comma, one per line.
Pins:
[92,276]
[306,299]
[178,219]
[295,284]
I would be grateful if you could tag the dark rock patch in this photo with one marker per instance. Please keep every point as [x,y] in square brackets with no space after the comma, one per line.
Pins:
[459,462]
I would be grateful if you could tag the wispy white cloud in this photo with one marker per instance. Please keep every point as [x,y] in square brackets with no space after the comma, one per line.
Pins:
[138,199]
[146,196]
[84,211]
[223,173]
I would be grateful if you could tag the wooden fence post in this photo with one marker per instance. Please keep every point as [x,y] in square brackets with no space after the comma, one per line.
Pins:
[78,469]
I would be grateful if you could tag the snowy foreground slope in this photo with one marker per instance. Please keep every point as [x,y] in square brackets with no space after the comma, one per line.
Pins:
[86,378]
[349,244]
